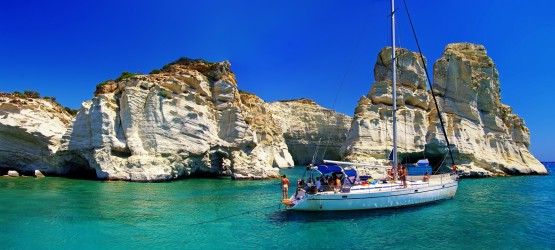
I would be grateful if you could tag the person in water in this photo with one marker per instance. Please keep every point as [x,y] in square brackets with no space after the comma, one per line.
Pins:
[284,187]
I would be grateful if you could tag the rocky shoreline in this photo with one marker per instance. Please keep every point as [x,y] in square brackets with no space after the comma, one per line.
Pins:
[190,118]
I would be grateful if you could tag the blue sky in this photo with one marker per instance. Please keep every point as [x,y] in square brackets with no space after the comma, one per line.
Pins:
[278,49]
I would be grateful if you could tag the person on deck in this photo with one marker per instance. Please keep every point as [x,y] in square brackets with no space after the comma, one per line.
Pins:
[426,177]
[337,184]
[284,187]
[402,174]
[319,183]
[390,174]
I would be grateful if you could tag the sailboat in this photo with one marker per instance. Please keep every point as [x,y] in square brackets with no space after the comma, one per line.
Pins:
[350,191]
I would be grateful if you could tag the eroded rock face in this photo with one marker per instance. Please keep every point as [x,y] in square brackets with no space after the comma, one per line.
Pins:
[30,133]
[188,119]
[486,137]
[311,131]
[370,136]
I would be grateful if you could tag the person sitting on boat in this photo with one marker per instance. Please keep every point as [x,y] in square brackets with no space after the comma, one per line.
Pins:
[319,184]
[311,187]
[336,184]
[284,187]
[390,174]
[300,184]
[426,177]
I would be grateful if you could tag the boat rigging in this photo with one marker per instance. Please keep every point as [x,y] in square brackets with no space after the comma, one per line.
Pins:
[338,185]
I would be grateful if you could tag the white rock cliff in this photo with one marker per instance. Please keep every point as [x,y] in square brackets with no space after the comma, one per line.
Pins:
[486,137]
[186,120]
[190,119]
[30,134]
[311,132]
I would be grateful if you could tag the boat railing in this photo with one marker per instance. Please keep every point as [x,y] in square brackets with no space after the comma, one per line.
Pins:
[441,178]
[434,179]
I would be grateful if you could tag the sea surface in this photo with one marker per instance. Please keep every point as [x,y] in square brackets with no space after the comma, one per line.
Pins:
[59,213]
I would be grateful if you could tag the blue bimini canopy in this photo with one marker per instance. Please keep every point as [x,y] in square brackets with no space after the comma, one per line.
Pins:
[351,173]
[326,169]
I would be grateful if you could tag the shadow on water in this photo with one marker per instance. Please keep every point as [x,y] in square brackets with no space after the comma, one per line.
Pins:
[345,216]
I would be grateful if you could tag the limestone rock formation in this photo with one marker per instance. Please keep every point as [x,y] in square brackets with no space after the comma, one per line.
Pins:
[370,135]
[310,130]
[188,119]
[486,137]
[260,117]
[30,133]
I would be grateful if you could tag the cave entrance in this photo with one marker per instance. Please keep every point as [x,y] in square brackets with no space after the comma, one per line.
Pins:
[437,162]
[218,164]
[79,168]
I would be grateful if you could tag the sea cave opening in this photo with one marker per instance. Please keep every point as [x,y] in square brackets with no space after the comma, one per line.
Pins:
[79,168]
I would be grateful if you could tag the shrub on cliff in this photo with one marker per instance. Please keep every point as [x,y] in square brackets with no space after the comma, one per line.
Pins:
[50,98]
[109,86]
[71,111]
[155,71]
[104,83]
[125,75]
[31,94]
[18,94]
[185,61]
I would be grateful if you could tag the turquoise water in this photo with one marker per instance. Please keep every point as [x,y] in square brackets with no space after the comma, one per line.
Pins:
[55,213]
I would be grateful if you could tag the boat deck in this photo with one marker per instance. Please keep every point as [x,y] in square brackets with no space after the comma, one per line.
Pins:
[413,182]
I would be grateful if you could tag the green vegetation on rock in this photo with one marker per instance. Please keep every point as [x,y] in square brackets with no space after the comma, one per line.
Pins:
[184,61]
[125,75]
[71,111]
[31,94]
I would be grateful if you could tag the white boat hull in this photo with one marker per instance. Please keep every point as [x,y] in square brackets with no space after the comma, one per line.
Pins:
[384,196]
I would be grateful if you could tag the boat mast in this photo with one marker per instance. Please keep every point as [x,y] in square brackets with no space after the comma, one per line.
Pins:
[394,91]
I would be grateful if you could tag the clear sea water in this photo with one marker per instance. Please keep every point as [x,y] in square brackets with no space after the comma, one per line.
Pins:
[59,213]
